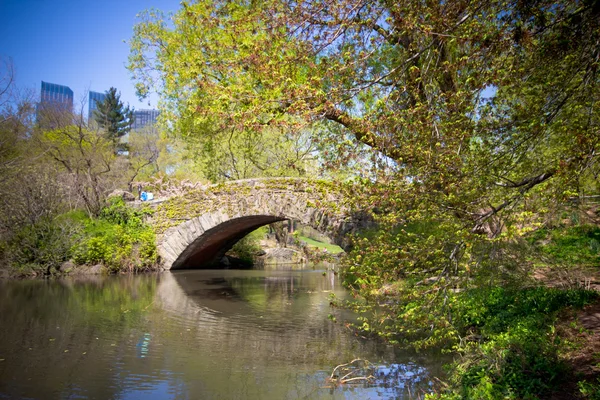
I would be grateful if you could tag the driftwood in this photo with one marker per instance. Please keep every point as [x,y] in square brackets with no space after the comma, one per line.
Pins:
[351,373]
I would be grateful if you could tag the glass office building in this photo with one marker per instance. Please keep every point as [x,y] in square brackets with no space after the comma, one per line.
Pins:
[56,104]
[144,117]
[57,96]
[93,100]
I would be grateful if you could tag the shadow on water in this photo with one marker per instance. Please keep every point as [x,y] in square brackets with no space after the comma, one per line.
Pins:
[191,334]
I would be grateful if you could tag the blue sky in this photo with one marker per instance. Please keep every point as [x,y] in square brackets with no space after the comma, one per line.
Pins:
[73,42]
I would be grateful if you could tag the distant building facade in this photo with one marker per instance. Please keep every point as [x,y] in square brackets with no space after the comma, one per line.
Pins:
[56,96]
[143,118]
[93,100]
[55,101]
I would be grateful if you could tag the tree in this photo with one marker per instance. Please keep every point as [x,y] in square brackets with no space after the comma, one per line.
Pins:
[87,157]
[482,112]
[145,147]
[29,191]
[262,153]
[405,79]
[113,116]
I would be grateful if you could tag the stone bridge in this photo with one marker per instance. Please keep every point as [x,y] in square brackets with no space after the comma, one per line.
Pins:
[197,228]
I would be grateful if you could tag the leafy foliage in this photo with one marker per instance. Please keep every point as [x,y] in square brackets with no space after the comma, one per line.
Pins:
[118,239]
[509,346]
[41,248]
[471,117]
[470,123]
[577,245]
[84,156]
[590,390]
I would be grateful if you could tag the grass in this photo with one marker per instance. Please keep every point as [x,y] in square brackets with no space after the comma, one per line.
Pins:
[331,248]
[577,245]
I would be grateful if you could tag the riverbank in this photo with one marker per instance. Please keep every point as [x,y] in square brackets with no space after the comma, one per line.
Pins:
[513,334]
[118,240]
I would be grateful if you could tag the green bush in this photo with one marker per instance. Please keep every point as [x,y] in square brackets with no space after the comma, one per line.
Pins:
[119,213]
[590,390]
[43,247]
[509,347]
[118,239]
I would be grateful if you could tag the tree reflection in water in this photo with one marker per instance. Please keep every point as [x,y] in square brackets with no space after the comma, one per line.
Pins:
[190,334]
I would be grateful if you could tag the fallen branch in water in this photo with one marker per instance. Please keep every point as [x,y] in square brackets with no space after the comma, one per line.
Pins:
[350,369]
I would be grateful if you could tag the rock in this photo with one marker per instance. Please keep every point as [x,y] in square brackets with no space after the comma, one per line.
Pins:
[283,255]
[127,196]
[97,269]
[67,266]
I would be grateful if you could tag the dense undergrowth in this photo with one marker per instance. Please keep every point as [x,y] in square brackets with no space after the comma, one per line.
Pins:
[509,346]
[576,245]
[118,239]
[503,326]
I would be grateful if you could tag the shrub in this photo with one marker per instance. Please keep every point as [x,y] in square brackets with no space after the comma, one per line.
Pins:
[509,347]
[572,245]
[42,247]
[119,239]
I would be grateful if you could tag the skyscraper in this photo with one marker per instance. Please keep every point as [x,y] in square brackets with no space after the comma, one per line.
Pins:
[94,98]
[56,103]
[144,117]
[57,96]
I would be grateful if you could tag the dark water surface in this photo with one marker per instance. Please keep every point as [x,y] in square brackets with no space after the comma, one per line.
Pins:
[190,335]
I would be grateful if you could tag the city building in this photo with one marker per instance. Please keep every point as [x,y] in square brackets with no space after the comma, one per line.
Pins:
[94,99]
[144,117]
[55,102]
[57,96]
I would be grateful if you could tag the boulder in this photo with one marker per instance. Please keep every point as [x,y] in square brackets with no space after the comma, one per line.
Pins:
[283,255]
[97,269]
[127,196]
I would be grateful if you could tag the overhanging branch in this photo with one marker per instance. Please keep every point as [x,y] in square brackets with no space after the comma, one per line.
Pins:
[360,132]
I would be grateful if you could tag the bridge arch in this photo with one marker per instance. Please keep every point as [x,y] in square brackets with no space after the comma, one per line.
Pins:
[199,227]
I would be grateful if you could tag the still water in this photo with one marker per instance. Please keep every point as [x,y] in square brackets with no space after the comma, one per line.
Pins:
[220,334]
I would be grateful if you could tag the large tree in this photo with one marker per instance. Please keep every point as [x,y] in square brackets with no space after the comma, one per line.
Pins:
[113,116]
[483,113]
[407,79]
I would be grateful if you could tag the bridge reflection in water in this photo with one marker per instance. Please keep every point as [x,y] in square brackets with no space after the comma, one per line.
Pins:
[188,334]
[274,328]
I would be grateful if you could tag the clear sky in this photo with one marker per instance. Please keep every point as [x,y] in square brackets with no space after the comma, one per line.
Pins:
[77,43]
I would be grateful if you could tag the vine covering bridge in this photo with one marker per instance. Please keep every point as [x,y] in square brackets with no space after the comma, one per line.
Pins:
[196,228]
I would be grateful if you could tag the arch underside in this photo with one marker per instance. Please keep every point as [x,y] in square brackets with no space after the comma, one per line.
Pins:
[212,244]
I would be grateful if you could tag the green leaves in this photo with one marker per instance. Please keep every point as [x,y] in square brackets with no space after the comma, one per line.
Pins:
[118,239]
[395,91]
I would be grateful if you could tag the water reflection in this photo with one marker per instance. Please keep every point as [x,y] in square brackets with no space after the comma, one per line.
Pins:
[191,334]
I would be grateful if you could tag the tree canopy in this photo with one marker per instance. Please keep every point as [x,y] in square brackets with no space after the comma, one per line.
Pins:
[498,96]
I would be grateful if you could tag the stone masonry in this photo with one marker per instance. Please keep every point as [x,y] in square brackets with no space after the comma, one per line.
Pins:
[196,228]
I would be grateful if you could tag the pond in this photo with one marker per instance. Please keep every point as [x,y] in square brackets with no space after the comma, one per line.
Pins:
[204,334]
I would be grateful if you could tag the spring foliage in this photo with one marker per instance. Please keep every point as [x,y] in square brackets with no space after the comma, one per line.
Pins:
[470,123]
